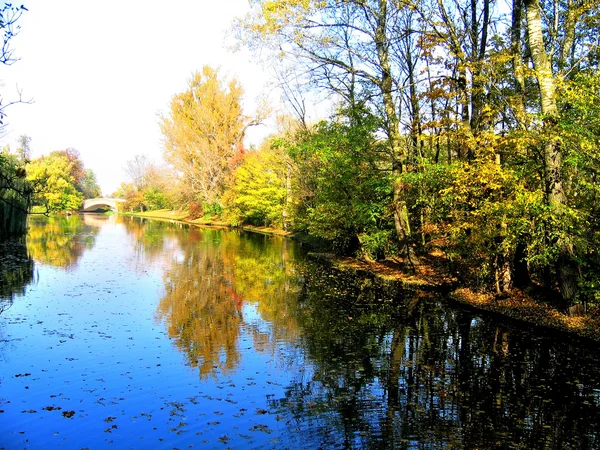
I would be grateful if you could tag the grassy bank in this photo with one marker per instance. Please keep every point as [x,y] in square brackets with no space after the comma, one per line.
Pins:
[184,217]
[432,274]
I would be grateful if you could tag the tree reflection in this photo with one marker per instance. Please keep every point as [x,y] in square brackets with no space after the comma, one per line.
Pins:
[59,240]
[16,272]
[426,375]
[375,367]
[210,284]
[154,240]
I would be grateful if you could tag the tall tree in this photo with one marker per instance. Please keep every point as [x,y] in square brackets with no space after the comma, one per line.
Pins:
[202,131]
[139,170]
[24,148]
[566,268]
[15,191]
[54,173]
[347,49]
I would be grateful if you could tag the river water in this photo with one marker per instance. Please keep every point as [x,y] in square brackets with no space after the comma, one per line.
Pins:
[147,334]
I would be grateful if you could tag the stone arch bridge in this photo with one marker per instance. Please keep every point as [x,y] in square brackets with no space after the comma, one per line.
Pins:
[92,204]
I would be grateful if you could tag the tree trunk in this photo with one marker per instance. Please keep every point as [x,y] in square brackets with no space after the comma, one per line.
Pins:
[517,60]
[566,270]
[520,270]
[401,220]
[478,49]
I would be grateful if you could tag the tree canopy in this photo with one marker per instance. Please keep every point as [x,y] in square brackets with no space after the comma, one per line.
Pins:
[204,128]
[480,132]
[63,180]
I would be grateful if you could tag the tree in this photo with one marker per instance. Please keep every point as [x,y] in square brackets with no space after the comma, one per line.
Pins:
[15,196]
[56,174]
[340,191]
[348,48]
[9,16]
[552,155]
[24,148]
[256,193]
[139,170]
[510,94]
[564,60]
[152,187]
[89,186]
[15,191]
[202,131]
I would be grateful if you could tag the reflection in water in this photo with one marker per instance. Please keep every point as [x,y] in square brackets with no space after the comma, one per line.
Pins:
[425,374]
[286,353]
[96,219]
[209,285]
[379,368]
[59,241]
[16,272]
[154,240]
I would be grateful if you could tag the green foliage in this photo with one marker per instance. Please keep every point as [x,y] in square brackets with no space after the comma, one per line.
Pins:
[257,194]
[55,175]
[15,197]
[377,244]
[88,185]
[154,198]
[579,131]
[342,186]
[448,105]
[477,213]
[211,209]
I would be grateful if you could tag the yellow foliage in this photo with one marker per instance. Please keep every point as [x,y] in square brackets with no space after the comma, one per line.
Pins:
[202,131]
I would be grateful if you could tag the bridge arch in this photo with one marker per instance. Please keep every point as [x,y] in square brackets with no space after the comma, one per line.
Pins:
[93,204]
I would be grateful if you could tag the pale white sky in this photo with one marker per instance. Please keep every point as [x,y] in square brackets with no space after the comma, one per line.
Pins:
[100,72]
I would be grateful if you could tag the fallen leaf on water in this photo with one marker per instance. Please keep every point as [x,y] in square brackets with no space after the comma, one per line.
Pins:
[263,428]
[52,408]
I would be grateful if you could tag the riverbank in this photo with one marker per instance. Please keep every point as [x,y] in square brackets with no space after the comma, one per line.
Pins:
[183,217]
[526,306]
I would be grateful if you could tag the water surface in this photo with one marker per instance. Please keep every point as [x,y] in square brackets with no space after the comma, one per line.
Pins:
[146,334]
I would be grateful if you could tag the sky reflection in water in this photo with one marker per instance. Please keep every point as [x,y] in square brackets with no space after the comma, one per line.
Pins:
[141,334]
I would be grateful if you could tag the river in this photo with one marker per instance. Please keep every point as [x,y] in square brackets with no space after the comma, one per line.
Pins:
[130,333]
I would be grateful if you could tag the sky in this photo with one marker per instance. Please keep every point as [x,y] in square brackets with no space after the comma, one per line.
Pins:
[100,73]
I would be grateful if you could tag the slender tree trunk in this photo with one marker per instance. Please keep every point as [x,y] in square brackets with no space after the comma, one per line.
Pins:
[517,60]
[566,270]
[465,124]
[415,111]
[520,270]
[436,131]
[401,220]
[478,49]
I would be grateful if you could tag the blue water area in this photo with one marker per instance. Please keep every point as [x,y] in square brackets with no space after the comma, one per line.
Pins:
[132,333]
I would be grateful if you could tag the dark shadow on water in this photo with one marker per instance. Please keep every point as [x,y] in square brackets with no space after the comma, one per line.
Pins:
[392,370]
[16,271]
